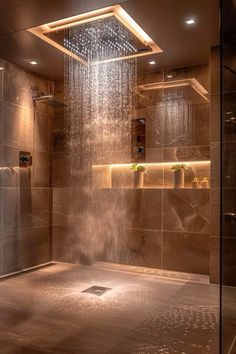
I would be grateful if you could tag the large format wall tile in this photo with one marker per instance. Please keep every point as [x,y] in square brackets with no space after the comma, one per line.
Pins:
[41,132]
[143,208]
[190,153]
[25,248]
[144,247]
[40,169]
[26,209]
[186,210]
[186,252]
[18,84]
[61,172]
[11,209]
[18,126]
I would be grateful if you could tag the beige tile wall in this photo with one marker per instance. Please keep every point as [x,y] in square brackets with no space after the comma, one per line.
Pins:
[25,192]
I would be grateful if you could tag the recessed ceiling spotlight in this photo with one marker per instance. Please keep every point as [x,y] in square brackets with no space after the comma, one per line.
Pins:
[1,68]
[152,62]
[190,21]
[33,62]
[169,76]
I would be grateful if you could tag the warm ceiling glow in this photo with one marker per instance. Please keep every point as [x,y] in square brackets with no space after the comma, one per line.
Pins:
[117,11]
[169,76]
[152,62]
[33,62]
[190,21]
[1,68]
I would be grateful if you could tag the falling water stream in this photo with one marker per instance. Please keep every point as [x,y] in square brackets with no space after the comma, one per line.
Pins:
[100,103]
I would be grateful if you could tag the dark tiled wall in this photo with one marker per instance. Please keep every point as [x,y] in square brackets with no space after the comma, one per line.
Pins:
[158,226]
[215,165]
[25,192]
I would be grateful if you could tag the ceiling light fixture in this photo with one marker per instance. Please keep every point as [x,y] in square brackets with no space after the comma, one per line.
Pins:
[1,68]
[48,31]
[152,62]
[33,62]
[190,21]
[169,76]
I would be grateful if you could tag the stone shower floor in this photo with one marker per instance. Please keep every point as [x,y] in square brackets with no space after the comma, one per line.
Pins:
[45,311]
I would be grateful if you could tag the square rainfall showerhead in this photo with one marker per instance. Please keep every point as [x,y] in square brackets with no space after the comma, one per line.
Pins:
[99,36]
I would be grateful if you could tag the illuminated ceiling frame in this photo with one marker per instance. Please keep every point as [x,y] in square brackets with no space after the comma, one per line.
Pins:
[117,11]
[192,82]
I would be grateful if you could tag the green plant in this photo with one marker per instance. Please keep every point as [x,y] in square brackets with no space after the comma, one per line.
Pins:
[179,167]
[136,167]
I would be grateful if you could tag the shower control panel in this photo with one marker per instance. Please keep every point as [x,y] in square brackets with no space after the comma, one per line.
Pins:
[25,159]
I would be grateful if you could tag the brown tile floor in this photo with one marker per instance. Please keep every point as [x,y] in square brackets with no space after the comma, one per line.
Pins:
[45,311]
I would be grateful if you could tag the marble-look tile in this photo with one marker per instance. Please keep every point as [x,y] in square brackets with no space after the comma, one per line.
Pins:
[154,155]
[215,165]
[144,247]
[202,126]
[34,207]
[41,132]
[190,153]
[215,118]
[215,69]
[17,87]
[11,209]
[61,170]
[61,206]
[186,210]
[25,248]
[186,252]
[18,126]
[214,259]
[143,208]
[40,169]
[65,244]
[215,211]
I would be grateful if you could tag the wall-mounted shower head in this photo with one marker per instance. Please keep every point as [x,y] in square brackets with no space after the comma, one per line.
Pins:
[49,99]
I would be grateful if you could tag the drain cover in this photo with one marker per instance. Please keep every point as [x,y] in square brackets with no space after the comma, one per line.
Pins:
[96,290]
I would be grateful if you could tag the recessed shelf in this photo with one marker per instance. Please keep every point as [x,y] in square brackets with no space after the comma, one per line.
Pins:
[200,162]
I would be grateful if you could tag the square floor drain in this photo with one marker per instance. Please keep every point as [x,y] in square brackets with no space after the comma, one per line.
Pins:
[96,290]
